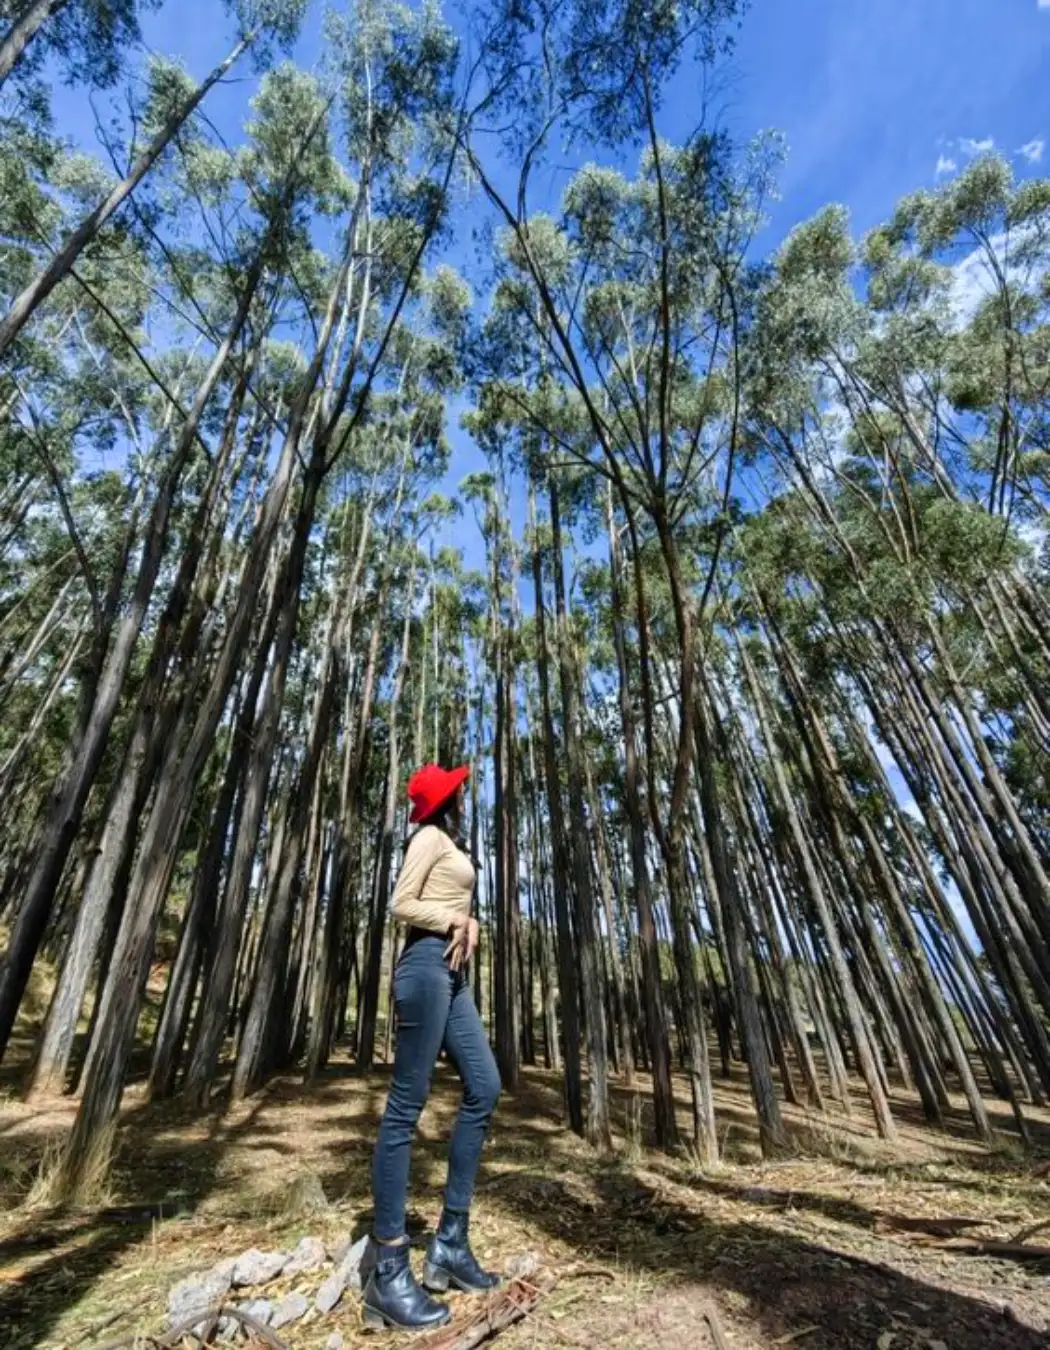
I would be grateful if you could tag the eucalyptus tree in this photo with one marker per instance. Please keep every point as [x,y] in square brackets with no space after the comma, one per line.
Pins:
[89,38]
[172,101]
[70,792]
[394,210]
[892,519]
[646,341]
[487,493]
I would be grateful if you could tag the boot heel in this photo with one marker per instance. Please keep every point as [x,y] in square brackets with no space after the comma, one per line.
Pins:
[374,1321]
[435,1279]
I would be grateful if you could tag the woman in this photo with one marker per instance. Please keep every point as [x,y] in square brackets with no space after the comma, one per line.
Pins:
[434,1011]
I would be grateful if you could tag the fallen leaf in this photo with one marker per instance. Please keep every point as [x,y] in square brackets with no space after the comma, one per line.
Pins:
[885,1340]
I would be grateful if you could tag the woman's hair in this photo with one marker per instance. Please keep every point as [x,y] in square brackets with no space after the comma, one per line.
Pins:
[448,820]
[446,817]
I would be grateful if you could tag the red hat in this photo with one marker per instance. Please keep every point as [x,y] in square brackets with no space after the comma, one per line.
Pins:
[431,786]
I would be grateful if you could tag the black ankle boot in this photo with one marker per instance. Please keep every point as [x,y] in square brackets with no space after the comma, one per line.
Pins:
[392,1298]
[451,1263]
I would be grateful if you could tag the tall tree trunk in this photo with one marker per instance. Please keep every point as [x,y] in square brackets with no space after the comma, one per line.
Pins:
[504,950]
[600,852]
[598,1127]
[91,1138]
[24,29]
[111,866]
[62,263]
[258,1049]
[71,792]
[664,1120]
[567,983]
[817,897]
[763,1092]
[378,927]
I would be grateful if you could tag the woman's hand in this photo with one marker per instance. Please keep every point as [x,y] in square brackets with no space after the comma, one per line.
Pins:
[463,936]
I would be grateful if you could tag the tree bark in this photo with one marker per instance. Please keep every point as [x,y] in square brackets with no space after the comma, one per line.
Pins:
[598,1130]
[61,265]
[71,792]
[664,1119]
[378,927]
[567,984]
[24,29]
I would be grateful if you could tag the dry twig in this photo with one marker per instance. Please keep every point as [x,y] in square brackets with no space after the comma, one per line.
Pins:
[210,1321]
[1030,1231]
[503,1310]
[714,1326]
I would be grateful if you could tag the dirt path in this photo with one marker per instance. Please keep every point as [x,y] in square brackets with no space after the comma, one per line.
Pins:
[807,1253]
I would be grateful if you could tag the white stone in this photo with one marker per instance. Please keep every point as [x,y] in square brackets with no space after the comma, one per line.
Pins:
[335,1341]
[259,1308]
[347,1275]
[255,1267]
[353,1264]
[290,1309]
[201,1293]
[331,1291]
[309,1255]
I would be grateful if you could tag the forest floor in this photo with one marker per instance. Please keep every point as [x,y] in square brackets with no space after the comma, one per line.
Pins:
[824,1251]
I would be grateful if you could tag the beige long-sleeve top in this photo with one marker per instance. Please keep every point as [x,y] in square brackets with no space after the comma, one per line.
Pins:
[436,882]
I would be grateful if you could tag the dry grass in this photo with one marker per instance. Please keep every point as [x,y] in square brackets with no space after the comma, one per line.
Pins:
[641,1243]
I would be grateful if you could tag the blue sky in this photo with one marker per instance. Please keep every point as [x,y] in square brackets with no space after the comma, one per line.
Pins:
[874,97]
[871,95]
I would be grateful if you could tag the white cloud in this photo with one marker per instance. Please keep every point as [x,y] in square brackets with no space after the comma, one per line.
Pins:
[971,147]
[973,280]
[1033,151]
[945,165]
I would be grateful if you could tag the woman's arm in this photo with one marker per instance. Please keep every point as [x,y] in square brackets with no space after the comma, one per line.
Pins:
[409,908]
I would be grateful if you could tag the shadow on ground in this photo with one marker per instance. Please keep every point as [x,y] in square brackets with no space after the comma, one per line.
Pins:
[687,1235]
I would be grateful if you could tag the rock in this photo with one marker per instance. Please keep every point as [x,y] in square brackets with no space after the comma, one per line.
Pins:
[199,1293]
[354,1264]
[334,1342]
[255,1267]
[348,1274]
[339,1248]
[331,1291]
[523,1267]
[259,1308]
[304,1196]
[290,1309]
[309,1255]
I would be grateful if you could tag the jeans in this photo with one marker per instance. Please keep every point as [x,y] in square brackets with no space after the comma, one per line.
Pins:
[434,1010]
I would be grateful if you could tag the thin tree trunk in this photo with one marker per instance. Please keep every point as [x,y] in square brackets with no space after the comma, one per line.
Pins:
[664,1119]
[567,984]
[370,993]
[24,30]
[62,263]
[71,792]
[771,1125]
[598,1127]
[844,981]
